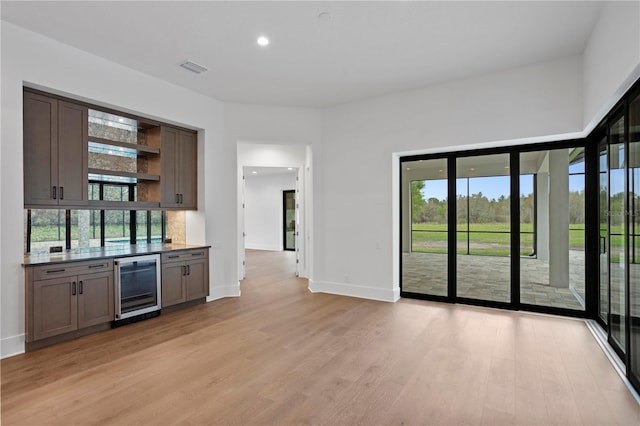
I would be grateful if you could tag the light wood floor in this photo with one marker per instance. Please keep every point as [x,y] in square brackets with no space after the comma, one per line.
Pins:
[282,355]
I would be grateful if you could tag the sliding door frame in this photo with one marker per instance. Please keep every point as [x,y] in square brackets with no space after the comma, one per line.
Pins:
[591,215]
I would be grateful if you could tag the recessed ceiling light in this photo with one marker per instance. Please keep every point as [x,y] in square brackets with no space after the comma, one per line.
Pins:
[324,16]
[263,41]
[472,169]
[254,172]
[290,168]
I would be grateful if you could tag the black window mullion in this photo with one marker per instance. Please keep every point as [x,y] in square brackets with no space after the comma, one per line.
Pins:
[148,226]
[28,248]
[452,227]
[514,167]
[67,229]
[162,226]
[132,217]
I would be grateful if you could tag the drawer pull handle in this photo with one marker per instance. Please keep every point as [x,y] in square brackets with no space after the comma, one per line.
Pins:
[55,271]
[173,257]
[102,265]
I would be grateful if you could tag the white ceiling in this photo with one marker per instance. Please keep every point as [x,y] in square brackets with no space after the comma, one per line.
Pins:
[366,49]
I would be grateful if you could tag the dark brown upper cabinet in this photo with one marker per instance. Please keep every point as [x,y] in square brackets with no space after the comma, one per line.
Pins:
[55,152]
[179,179]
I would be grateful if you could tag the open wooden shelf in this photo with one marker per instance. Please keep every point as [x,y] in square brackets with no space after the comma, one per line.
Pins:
[141,149]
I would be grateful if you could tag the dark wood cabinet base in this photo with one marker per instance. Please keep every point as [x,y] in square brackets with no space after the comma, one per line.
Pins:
[32,346]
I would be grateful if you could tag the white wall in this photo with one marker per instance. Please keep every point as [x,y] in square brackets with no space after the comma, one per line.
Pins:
[356,217]
[28,58]
[611,59]
[263,209]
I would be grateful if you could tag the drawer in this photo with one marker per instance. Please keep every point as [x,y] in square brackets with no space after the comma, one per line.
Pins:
[180,256]
[71,269]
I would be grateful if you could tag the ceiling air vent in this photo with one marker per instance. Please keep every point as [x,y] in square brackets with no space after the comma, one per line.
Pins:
[193,67]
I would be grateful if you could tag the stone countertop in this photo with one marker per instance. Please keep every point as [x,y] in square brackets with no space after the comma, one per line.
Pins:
[95,253]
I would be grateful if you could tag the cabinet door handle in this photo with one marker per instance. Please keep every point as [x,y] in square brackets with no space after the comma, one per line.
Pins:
[81,288]
[184,270]
[62,192]
[73,288]
[177,198]
[181,199]
[188,269]
[55,192]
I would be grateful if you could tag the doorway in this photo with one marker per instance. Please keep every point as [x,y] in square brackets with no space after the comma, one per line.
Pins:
[289,220]
[271,213]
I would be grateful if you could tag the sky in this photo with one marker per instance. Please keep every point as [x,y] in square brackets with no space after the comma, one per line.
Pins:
[491,187]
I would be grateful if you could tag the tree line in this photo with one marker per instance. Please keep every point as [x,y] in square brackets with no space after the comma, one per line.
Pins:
[481,209]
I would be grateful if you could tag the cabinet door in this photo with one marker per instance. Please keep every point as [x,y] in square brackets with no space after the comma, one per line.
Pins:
[40,136]
[187,170]
[173,287]
[72,154]
[197,279]
[168,179]
[96,303]
[55,307]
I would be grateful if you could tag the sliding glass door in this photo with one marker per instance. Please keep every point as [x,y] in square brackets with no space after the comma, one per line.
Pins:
[617,234]
[483,228]
[552,228]
[425,228]
[634,264]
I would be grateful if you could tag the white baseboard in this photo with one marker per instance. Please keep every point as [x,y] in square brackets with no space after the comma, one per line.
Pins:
[10,346]
[269,247]
[225,291]
[354,290]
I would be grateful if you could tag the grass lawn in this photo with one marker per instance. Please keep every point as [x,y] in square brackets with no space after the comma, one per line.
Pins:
[50,233]
[492,239]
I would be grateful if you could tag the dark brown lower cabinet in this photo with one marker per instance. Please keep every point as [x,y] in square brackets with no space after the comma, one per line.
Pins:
[185,276]
[65,298]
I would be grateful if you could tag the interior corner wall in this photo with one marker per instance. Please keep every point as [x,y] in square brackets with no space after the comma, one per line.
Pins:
[611,58]
[263,210]
[83,76]
[356,255]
